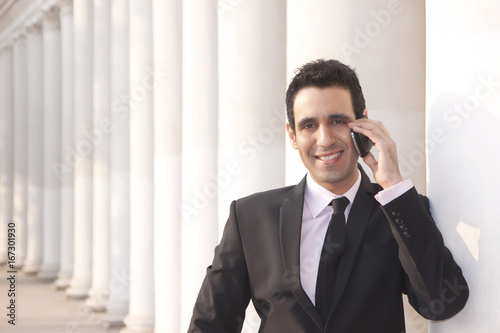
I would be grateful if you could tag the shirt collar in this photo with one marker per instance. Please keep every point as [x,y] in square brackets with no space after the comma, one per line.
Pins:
[317,198]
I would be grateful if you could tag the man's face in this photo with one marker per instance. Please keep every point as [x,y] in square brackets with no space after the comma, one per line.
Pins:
[322,138]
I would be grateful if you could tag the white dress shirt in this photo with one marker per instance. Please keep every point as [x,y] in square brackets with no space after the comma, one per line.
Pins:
[316,217]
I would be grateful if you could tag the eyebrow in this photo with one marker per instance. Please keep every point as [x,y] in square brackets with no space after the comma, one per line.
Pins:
[331,116]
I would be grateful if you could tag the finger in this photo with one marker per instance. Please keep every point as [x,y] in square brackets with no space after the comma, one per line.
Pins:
[370,160]
[375,131]
[367,132]
[359,122]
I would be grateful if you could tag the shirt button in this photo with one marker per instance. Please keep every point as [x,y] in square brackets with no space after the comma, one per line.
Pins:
[395,213]
[399,220]
[406,234]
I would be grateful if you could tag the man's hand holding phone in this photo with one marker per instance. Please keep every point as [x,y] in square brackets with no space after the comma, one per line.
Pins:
[386,169]
[361,142]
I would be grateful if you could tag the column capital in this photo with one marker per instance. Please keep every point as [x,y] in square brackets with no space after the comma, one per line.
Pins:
[50,14]
[29,18]
[51,23]
[17,38]
[66,3]
[33,23]
[66,7]
[51,7]
[6,44]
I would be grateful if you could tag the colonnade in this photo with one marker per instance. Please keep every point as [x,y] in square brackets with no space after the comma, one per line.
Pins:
[115,156]
[127,127]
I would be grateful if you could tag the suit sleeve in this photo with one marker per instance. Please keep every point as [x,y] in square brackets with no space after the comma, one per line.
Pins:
[225,292]
[434,282]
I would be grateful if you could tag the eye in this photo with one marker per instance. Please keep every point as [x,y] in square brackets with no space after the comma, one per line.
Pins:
[308,126]
[339,122]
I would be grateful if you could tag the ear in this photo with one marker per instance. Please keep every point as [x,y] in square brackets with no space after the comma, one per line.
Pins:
[291,136]
[365,113]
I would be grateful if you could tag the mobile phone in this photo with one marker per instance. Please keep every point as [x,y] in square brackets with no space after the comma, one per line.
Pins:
[361,142]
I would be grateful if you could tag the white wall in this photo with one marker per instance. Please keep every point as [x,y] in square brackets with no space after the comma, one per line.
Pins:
[463,115]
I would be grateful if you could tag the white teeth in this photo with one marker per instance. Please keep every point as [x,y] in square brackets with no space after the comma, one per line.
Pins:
[329,157]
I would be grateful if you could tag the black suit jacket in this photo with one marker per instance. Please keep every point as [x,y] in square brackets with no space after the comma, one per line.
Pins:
[389,250]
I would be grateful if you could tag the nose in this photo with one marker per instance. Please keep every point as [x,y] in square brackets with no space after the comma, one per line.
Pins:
[326,137]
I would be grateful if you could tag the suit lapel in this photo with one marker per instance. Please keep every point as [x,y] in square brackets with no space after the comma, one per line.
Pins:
[357,222]
[290,225]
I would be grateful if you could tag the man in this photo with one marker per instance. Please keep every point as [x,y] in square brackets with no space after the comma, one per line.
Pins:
[277,246]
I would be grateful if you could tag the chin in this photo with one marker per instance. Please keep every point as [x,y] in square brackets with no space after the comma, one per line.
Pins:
[329,178]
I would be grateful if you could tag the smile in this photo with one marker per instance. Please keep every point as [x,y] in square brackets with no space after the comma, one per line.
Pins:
[328,158]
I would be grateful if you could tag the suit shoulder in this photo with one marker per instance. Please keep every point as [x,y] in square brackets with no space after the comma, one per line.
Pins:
[260,207]
[270,196]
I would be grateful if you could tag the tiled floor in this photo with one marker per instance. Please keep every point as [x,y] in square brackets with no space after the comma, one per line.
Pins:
[41,309]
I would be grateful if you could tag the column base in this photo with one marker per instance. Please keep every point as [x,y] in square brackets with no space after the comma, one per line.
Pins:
[138,324]
[95,304]
[77,290]
[47,273]
[19,264]
[109,320]
[62,282]
[45,279]
[30,268]
[116,311]
[129,330]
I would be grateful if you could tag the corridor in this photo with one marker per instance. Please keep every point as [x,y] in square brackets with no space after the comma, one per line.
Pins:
[41,309]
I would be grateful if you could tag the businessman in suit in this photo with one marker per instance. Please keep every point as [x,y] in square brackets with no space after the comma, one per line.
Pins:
[281,248]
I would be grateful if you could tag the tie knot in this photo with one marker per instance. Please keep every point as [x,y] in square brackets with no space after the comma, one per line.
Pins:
[340,204]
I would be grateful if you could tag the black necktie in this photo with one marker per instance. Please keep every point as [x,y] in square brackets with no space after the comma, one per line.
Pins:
[333,247]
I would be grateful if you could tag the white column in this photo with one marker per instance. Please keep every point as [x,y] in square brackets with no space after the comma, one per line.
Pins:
[252,60]
[199,147]
[385,42]
[34,69]
[463,116]
[51,148]
[84,146]
[20,148]
[119,280]
[102,128]
[252,72]
[67,147]
[167,18]
[6,147]
[141,307]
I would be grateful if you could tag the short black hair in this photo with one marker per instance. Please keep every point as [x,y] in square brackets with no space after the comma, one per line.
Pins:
[325,74]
